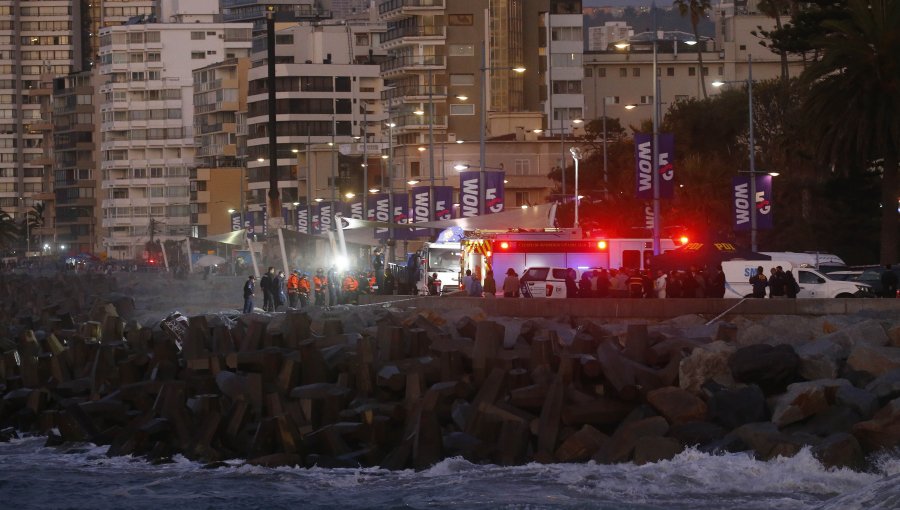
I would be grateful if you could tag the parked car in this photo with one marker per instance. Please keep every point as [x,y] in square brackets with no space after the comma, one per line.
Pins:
[813,283]
[844,276]
[872,277]
[548,282]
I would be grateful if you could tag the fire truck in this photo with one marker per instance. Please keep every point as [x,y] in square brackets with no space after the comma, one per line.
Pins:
[555,248]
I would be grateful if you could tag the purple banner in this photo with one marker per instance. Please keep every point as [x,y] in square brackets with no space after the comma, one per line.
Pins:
[316,220]
[326,216]
[747,200]
[494,192]
[379,209]
[235,221]
[469,194]
[303,220]
[401,215]
[443,202]
[355,208]
[421,208]
[643,156]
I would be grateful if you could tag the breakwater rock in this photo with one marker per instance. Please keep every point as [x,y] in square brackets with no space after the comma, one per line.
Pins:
[376,386]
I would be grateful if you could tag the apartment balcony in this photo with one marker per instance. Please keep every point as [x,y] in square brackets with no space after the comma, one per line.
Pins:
[395,9]
[420,122]
[412,65]
[222,127]
[39,125]
[412,35]
[415,94]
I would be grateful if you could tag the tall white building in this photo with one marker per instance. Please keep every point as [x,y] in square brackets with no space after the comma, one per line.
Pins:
[611,32]
[147,138]
[565,71]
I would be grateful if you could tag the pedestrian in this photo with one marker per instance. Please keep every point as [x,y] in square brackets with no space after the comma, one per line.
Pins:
[266,283]
[349,288]
[378,267]
[432,285]
[603,284]
[249,292]
[467,280]
[303,290]
[278,290]
[635,284]
[584,285]
[320,284]
[659,285]
[673,285]
[475,289]
[776,283]
[759,283]
[511,284]
[717,283]
[332,284]
[388,283]
[791,287]
[490,285]
[293,288]
[571,286]
[888,282]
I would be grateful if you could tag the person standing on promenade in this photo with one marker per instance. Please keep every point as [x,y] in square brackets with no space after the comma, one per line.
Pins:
[249,292]
[266,283]
[293,288]
[791,287]
[717,283]
[659,285]
[490,285]
[759,283]
[511,284]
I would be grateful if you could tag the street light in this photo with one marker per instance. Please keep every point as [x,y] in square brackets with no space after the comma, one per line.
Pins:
[576,155]
[752,143]
[481,150]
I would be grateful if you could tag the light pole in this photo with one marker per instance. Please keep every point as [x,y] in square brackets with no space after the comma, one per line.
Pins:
[605,161]
[752,147]
[576,155]
[657,248]
[483,128]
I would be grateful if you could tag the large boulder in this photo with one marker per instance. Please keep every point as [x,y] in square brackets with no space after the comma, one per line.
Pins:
[803,400]
[707,362]
[874,359]
[733,408]
[823,358]
[677,405]
[766,441]
[830,421]
[840,450]
[655,449]
[582,445]
[864,402]
[882,431]
[886,386]
[771,368]
[620,447]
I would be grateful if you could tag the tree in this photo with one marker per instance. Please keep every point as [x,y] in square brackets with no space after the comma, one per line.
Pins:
[9,231]
[854,102]
[774,9]
[697,10]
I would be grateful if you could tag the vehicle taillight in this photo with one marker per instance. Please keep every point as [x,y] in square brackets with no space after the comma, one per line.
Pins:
[549,290]
[601,245]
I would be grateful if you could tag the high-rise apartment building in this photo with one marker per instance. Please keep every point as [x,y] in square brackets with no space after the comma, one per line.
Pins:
[327,104]
[601,37]
[217,182]
[38,40]
[254,11]
[147,144]
[110,13]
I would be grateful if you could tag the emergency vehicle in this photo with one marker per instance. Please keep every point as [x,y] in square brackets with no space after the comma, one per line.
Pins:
[442,259]
[561,248]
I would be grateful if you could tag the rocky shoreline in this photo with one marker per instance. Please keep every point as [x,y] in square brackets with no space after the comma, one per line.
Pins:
[376,386]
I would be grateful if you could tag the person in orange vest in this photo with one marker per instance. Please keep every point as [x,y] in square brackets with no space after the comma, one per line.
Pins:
[293,288]
[372,282]
[303,290]
[320,283]
[349,288]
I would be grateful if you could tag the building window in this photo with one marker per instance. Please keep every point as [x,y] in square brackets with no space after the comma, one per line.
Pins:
[198,55]
[670,71]
[601,72]
[646,99]
[692,71]
[522,167]
[198,36]
[462,109]
[567,86]
[461,50]
[342,84]
[705,71]
[636,72]
[588,72]
[623,72]
[721,70]
[362,39]
[522,198]
[284,38]
[460,20]
[414,169]
[462,79]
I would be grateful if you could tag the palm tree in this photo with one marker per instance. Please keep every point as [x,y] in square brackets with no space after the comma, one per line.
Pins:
[9,231]
[697,9]
[854,101]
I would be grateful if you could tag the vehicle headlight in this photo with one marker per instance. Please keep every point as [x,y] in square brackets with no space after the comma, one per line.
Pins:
[863,288]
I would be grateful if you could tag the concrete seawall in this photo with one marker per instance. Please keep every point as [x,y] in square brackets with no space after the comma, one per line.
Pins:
[640,308]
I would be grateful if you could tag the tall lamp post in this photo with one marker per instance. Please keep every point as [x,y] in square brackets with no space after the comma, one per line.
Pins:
[481,149]
[752,147]
[576,155]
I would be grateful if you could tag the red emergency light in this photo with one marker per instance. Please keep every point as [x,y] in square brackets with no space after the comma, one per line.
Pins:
[504,245]
[683,240]
[601,245]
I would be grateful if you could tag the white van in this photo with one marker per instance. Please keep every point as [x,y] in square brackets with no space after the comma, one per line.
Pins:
[824,262]
[813,283]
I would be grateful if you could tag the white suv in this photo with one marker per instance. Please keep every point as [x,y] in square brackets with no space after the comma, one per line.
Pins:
[544,282]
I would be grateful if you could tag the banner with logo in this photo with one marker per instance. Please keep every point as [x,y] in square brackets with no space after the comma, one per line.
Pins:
[303,220]
[355,208]
[401,215]
[745,204]
[494,192]
[443,202]
[379,209]
[326,216]
[235,221]
[421,208]
[469,194]
[316,220]
[643,156]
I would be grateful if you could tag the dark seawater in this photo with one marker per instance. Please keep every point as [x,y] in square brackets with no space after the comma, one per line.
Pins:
[81,476]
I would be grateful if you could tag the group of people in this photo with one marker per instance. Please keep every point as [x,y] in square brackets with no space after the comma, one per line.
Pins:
[781,283]
[301,291]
